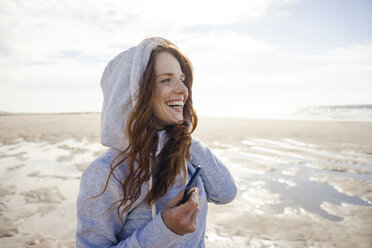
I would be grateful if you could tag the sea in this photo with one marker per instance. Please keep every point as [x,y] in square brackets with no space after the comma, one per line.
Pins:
[322,113]
[362,112]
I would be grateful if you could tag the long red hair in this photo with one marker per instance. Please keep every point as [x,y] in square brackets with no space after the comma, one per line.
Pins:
[139,156]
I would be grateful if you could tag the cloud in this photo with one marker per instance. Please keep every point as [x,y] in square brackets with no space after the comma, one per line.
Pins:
[54,46]
[358,55]
[339,76]
[223,50]
[36,30]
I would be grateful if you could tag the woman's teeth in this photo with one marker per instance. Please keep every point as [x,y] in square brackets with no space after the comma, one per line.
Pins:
[175,104]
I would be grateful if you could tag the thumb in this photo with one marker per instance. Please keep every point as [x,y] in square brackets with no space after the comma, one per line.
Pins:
[175,200]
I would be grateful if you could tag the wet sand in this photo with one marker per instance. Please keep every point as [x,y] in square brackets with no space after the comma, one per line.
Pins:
[301,183]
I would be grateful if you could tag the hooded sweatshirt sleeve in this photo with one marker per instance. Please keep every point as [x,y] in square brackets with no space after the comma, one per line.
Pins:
[99,227]
[218,182]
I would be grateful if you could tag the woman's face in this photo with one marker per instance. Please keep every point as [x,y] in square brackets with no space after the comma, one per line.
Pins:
[170,91]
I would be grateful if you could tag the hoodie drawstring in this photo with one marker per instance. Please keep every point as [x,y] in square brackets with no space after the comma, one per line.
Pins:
[153,206]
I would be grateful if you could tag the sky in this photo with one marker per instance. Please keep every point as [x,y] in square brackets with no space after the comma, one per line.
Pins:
[246,54]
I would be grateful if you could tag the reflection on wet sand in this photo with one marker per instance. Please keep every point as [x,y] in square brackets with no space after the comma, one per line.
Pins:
[293,192]
[295,203]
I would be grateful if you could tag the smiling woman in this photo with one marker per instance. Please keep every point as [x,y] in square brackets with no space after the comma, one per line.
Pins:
[131,195]
[171,91]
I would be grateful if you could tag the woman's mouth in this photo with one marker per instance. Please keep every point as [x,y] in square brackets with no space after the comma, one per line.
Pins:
[175,105]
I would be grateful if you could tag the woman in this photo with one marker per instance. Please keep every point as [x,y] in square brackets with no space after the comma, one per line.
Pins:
[130,196]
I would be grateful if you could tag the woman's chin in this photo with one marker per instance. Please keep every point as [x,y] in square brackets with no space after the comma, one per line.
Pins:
[175,122]
[161,125]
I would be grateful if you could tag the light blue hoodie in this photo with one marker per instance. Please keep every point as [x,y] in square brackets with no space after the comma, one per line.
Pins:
[100,226]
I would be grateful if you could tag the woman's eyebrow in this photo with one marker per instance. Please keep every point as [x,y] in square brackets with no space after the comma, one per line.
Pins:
[165,74]
[169,74]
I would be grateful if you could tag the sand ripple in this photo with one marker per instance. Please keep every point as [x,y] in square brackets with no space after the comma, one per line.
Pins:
[294,194]
[291,194]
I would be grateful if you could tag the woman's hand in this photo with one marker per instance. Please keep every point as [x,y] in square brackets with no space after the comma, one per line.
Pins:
[181,219]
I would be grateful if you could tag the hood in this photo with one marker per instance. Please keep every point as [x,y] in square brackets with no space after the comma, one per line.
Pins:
[120,84]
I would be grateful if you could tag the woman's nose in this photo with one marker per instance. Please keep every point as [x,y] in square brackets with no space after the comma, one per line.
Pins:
[180,87]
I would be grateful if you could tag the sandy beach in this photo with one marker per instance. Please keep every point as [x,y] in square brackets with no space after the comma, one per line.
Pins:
[301,183]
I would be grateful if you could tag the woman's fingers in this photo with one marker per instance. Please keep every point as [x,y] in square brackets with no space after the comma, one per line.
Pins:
[194,217]
[182,219]
[191,204]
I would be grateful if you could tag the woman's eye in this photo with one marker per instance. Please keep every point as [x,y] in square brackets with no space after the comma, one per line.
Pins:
[167,80]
